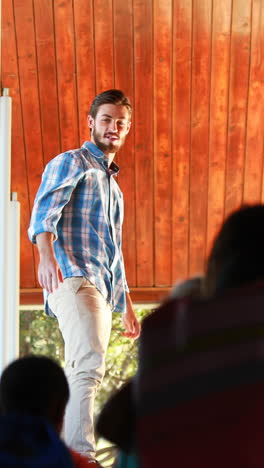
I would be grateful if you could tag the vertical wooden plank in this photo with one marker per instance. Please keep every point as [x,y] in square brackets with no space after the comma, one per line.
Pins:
[123,70]
[238,100]
[162,140]
[47,76]
[182,47]
[255,121]
[123,46]
[200,132]
[221,33]
[28,75]
[103,28]
[66,73]
[10,79]
[143,125]
[84,37]
[26,47]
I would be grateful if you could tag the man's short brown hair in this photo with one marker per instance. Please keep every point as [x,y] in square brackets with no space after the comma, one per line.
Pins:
[111,96]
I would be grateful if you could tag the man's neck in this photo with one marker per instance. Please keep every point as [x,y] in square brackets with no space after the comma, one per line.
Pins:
[110,158]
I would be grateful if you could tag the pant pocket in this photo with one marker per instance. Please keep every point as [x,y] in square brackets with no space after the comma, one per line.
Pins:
[72,284]
[58,297]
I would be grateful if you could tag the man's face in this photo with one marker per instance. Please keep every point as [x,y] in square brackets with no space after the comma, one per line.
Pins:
[110,127]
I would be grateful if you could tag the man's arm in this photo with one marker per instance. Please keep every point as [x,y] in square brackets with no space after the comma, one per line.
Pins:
[60,177]
[130,320]
[49,272]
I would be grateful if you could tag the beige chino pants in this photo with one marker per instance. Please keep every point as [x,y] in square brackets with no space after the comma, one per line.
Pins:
[85,321]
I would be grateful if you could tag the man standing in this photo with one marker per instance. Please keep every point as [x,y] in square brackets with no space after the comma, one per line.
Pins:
[76,223]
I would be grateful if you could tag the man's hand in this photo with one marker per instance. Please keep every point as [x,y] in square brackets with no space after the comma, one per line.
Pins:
[130,321]
[49,272]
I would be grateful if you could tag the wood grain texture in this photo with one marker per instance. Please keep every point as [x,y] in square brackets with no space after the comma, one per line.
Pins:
[194,71]
[201,58]
[66,73]
[253,179]
[29,92]
[19,175]
[143,125]
[181,102]
[124,80]
[46,62]
[162,140]
[104,55]
[238,102]
[30,105]
[85,62]
[221,34]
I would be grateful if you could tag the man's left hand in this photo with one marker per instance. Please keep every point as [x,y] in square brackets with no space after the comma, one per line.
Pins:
[130,321]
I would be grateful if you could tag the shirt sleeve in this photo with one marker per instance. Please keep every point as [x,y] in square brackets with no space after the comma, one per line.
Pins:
[126,288]
[59,179]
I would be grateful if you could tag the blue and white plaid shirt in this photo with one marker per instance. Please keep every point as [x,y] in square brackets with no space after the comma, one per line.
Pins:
[81,204]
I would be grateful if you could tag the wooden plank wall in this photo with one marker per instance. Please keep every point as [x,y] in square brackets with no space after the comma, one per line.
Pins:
[194,70]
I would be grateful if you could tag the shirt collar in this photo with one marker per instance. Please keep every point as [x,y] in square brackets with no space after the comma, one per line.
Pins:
[113,169]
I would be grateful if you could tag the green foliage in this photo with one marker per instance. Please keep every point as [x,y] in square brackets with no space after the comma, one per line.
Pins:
[121,359]
[40,334]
